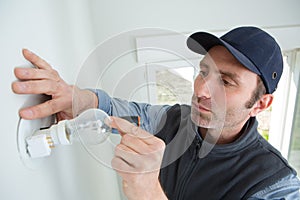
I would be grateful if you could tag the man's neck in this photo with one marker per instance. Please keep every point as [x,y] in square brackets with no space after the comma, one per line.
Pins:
[221,136]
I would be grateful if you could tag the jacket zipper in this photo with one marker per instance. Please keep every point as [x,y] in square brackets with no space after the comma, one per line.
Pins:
[188,172]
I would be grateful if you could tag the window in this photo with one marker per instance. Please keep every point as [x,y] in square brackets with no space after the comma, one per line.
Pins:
[171,82]
[174,85]
[294,151]
[294,143]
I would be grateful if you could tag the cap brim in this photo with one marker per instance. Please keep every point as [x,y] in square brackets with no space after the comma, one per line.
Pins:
[202,42]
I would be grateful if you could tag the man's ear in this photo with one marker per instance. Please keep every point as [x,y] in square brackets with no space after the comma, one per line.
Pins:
[262,104]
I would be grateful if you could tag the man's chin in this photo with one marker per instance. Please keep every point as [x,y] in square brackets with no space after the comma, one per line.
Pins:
[202,121]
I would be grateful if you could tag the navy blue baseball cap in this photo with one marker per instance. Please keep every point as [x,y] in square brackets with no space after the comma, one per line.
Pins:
[252,47]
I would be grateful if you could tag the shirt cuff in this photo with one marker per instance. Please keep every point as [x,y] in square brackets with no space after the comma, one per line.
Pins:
[104,100]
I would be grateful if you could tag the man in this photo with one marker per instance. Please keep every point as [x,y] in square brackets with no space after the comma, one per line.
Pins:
[209,150]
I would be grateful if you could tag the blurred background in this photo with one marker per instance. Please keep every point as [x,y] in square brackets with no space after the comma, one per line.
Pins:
[67,33]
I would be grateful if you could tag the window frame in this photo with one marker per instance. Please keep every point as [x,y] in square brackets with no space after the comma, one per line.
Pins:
[284,104]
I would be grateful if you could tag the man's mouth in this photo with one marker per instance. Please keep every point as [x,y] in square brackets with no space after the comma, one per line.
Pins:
[201,107]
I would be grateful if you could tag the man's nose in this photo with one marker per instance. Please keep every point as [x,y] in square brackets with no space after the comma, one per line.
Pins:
[202,88]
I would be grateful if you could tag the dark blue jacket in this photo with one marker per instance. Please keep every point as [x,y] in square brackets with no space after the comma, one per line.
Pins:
[194,169]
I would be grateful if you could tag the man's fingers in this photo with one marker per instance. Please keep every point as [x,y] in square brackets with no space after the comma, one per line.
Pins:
[136,144]
[45,109]
[120,165]
[35,87]
[125,127]
[122,125]
[127,161]
[136,138]
[123,160]
[34,74]
[126,153]
[35,59]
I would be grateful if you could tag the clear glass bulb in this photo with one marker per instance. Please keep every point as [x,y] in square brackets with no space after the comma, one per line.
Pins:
[92,127]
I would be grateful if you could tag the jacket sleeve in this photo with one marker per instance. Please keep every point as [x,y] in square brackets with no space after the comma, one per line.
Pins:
[150,115]
[286,188]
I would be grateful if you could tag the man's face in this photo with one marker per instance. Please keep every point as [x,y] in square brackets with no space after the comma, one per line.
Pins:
[221,90]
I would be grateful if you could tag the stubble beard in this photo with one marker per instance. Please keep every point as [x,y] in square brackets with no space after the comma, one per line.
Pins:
[209,121]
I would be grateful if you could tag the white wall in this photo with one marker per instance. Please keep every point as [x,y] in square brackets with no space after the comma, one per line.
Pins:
[113,17]
[60,32]
[64,32]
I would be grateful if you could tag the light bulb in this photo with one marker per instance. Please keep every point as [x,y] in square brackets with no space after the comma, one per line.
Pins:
[91,127]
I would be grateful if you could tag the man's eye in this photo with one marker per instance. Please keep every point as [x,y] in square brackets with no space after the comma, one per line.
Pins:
[203,73]
[225,82]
